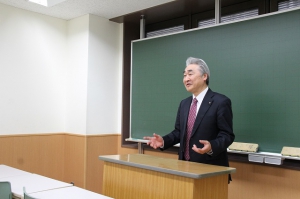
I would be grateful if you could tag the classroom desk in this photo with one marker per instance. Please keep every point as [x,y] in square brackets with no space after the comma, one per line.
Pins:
[68,192]
[7,171]
[33,183]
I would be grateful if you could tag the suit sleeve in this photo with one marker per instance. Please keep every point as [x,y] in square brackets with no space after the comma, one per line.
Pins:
[174,137]
[225,135]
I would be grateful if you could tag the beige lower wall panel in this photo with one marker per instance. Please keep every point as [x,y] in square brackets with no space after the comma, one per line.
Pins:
[263,182]
[60,156]
[125,150]
[74,159]
[7,150]
[42,154]
[96,146]
[69,158]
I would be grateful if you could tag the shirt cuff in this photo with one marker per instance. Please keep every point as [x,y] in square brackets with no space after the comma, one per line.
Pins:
[163,145]
[210,152]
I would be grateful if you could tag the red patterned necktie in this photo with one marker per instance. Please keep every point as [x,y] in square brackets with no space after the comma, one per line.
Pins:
[189,128]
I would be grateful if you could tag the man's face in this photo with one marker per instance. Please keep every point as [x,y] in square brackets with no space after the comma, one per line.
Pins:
[193,81]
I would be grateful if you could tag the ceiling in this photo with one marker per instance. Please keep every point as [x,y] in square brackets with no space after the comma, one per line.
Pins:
[70,9]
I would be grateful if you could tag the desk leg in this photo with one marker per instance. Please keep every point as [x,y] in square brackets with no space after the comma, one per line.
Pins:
[140,148]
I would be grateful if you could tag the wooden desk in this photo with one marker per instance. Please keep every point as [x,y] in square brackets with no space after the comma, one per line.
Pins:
[68,192]
[7,171]
[33,183]
[137,176]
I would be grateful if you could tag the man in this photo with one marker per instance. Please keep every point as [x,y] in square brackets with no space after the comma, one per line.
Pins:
[204,121]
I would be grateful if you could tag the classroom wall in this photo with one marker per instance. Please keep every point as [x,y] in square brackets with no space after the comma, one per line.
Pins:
[104,78]
[37,153]
[59,76]
[94,76]
[58,79]
[32,72]
[76,75]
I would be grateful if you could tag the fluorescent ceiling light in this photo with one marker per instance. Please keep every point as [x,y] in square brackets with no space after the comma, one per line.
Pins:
[47,3]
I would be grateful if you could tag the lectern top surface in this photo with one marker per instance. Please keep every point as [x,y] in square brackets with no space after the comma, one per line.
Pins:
[168,165]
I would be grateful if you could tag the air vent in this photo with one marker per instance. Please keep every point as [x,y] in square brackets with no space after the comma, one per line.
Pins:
[283,5]
[165,31]
[230,17]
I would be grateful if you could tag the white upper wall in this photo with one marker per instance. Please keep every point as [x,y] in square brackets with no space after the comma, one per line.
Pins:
[104,76]
[32,72]
[94,76]
[57,75]
[76,79]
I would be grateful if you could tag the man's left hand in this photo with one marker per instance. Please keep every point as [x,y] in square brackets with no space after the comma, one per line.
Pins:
[206,148]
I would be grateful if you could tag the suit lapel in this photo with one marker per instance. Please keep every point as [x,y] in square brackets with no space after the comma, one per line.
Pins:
[205,105]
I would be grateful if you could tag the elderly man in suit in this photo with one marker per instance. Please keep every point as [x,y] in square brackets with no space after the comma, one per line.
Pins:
[204,120]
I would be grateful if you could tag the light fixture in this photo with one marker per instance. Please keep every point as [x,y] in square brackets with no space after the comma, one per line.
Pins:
[47,3]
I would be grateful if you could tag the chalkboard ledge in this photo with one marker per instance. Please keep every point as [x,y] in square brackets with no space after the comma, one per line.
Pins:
[286,164]
[261,158]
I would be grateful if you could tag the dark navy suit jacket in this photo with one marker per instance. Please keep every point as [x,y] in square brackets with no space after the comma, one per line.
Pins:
[213,123]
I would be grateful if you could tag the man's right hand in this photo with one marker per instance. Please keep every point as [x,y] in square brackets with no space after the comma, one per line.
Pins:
[155,142]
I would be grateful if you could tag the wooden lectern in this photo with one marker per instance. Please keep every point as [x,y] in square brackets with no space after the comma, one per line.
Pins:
[136,176]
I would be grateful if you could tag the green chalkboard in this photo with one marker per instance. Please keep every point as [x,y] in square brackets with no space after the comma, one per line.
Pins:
[256,63]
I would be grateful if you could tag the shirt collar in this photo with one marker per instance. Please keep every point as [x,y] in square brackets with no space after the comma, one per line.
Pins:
[201,95]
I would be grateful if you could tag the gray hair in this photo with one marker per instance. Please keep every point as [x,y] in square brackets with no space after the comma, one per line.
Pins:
[202,66]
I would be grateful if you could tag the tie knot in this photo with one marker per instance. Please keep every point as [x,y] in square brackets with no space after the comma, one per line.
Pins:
[195,100]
